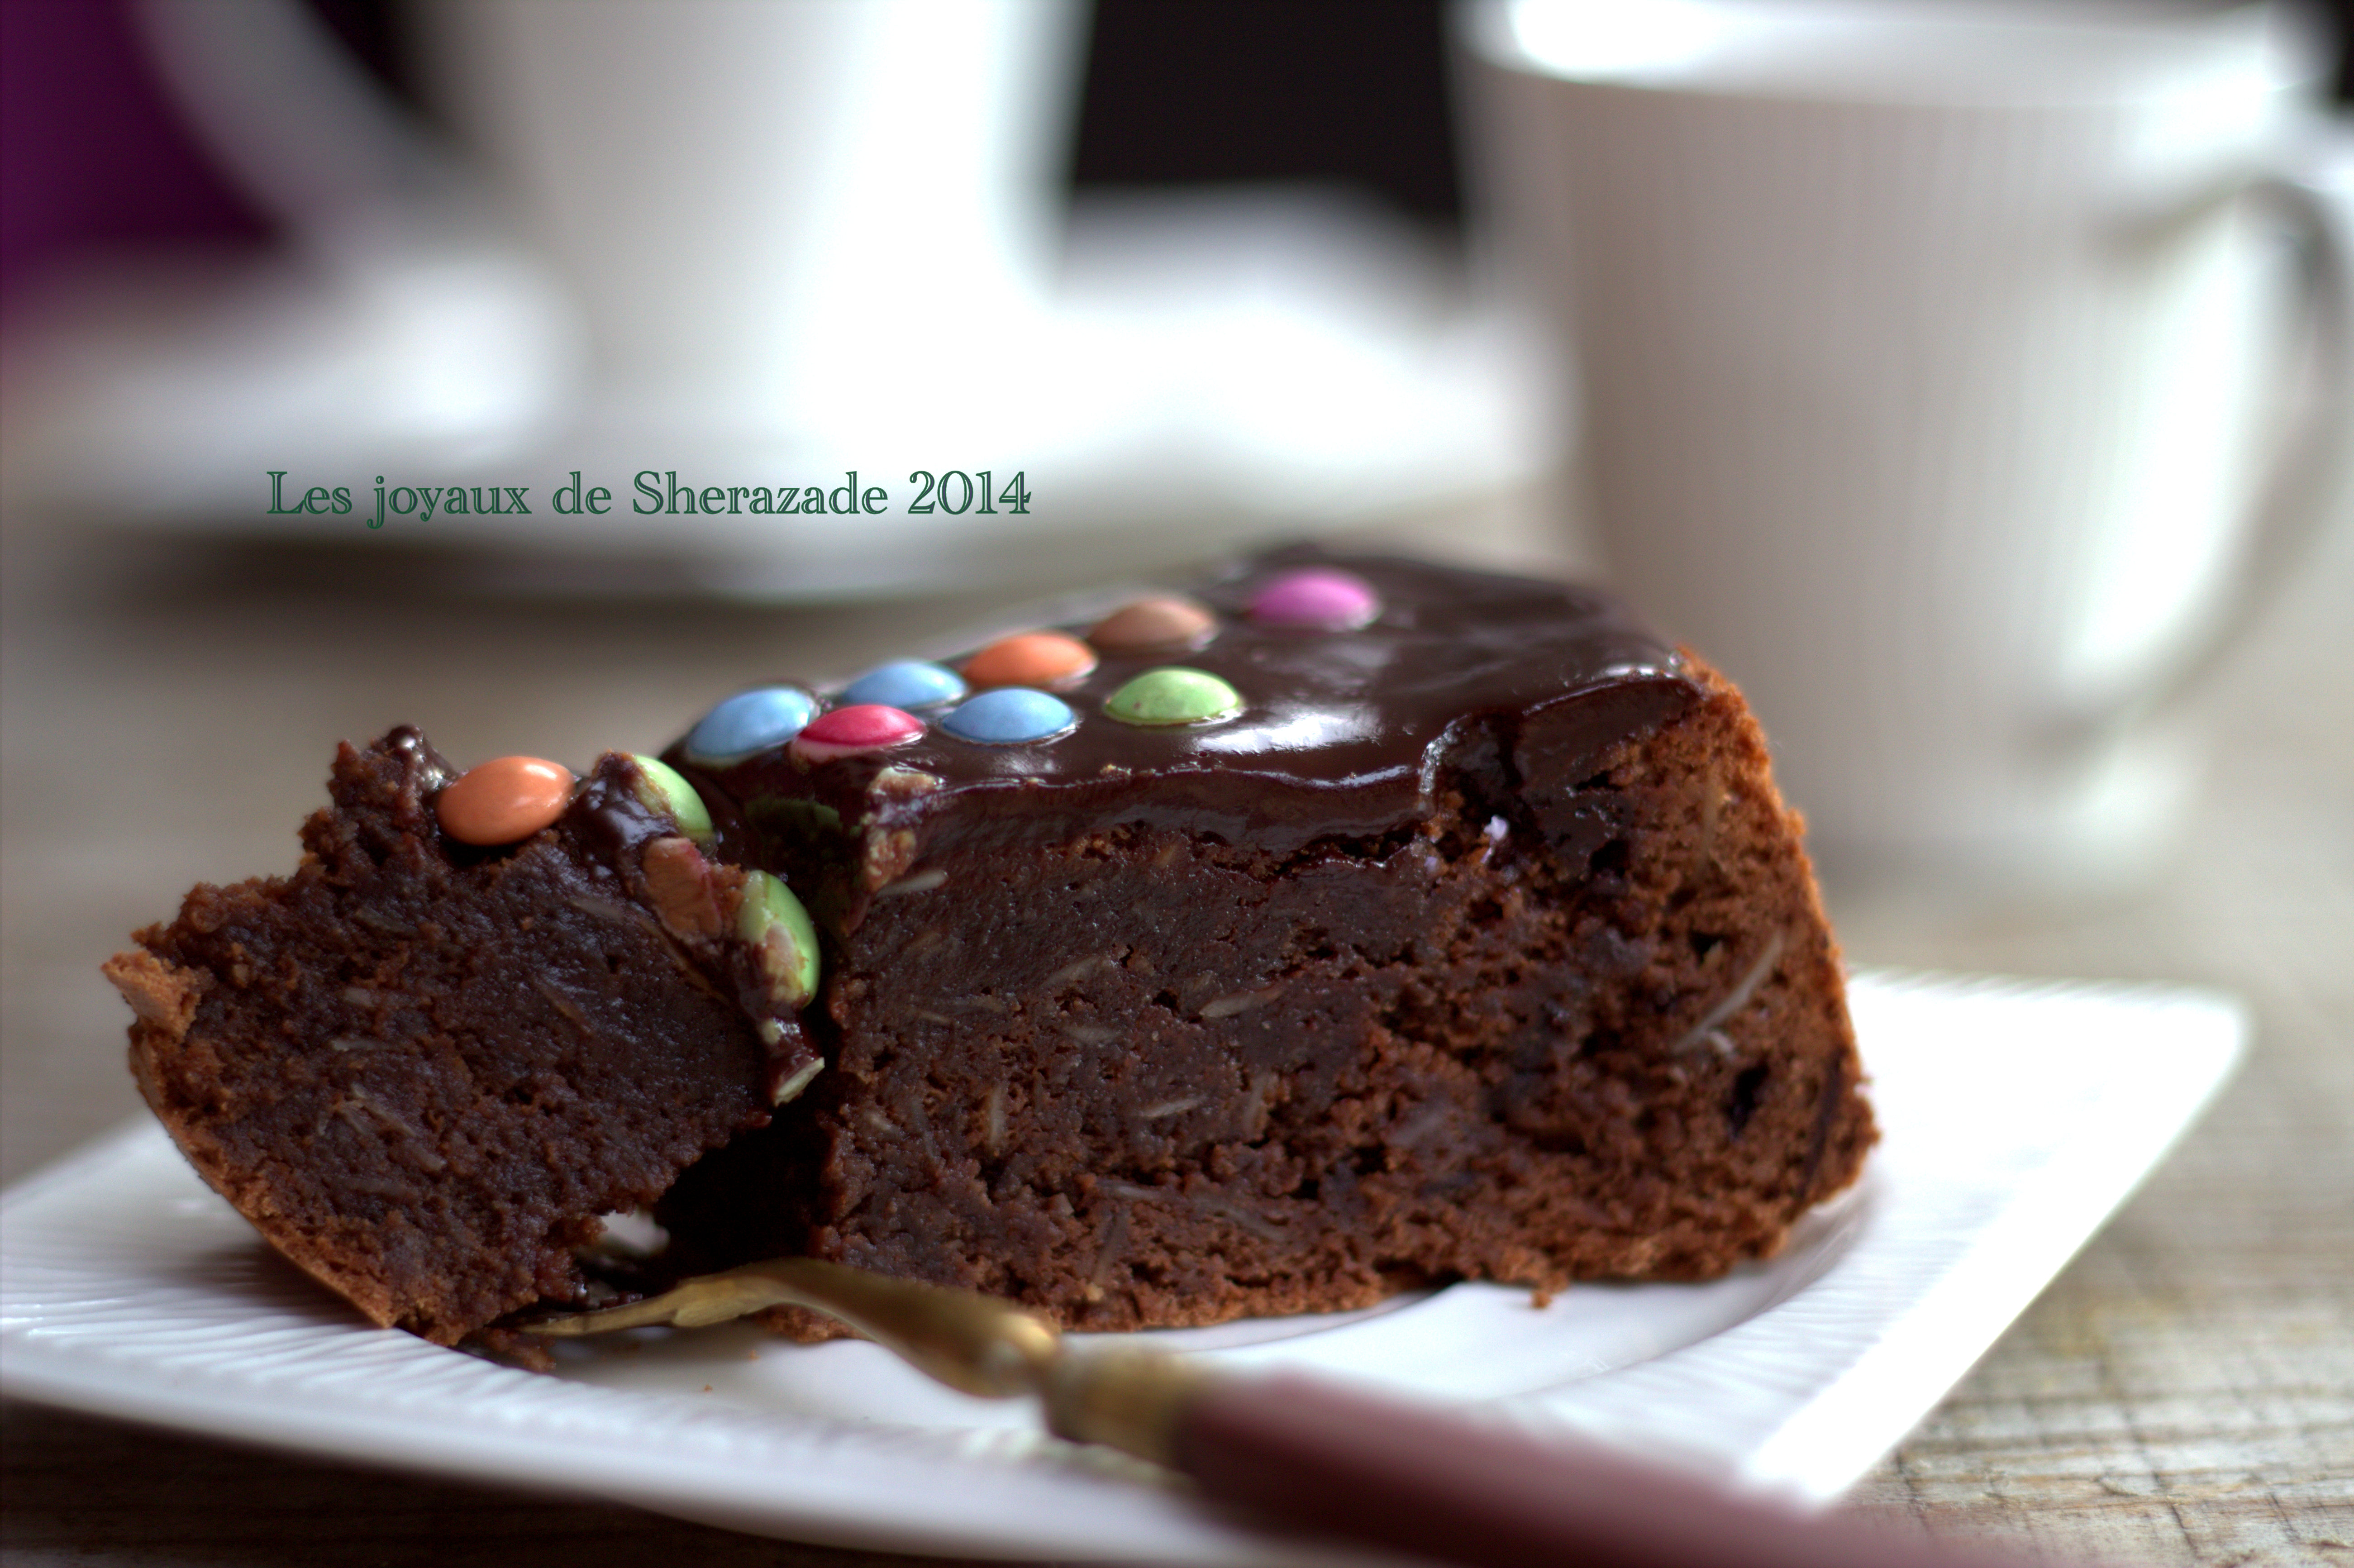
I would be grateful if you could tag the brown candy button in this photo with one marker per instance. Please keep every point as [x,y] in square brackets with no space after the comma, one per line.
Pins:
[1163,624]
[1043,659]
[504,800]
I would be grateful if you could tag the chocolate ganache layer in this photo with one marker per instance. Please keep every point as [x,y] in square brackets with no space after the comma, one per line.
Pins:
[1343,733]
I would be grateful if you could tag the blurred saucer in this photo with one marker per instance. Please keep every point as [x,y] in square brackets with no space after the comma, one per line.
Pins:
[1211,370]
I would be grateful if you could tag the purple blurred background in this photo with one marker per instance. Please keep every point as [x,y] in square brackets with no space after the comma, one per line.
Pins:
[93,156]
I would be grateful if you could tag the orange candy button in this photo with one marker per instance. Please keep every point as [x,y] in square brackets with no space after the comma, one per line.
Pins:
[504,800]
[1046,659]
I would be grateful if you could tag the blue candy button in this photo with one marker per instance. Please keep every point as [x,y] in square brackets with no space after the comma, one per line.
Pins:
[1009,717]
[748,722]
[909,685]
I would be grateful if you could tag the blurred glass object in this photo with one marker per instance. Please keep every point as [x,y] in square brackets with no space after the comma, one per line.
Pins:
[1957,376]
[399,321]
[757,244]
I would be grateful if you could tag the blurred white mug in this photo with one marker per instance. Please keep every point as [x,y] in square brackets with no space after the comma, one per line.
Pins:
[769,211]
[1934,363]
[756,222]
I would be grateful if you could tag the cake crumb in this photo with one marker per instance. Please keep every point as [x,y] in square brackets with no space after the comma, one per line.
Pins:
[159,993]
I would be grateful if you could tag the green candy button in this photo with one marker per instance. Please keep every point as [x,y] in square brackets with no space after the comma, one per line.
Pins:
[1173,694]
[782,938]
[664,788]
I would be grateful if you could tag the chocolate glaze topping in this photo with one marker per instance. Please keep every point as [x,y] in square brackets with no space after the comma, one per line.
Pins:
[1344,735]
[610,821]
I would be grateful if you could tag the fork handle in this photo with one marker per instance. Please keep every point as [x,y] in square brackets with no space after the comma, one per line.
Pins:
[1390,1474]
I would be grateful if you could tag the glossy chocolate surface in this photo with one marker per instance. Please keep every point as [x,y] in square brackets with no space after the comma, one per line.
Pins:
[611,821]
[1343,733]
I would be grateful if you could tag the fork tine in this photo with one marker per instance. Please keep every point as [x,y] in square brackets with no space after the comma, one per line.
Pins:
[696,1303]
[985,1347]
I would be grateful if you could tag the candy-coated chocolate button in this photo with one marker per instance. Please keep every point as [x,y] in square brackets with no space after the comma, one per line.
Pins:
[1173,694]
[504,800]
[1315,597]
[905,683]
[782,937]
[750,721]
[861,726]
[1162,624]
[1009,715]
[664,788]
[1043,659]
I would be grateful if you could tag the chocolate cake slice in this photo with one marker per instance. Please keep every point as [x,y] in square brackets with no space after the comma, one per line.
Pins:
[1472,942]
[1358,925]
[424,1069]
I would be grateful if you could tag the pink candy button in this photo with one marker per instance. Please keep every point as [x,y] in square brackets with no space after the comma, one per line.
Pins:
[861,726]
[1318,598]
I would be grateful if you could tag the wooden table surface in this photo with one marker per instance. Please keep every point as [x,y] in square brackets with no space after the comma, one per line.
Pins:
[2184,1393]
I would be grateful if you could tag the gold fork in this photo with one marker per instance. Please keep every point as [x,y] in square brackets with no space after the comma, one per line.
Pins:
[1299,1451]
[1127,1399]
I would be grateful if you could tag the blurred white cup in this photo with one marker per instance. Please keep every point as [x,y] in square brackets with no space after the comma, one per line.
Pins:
[670,226]
[765,208]
[1942,381]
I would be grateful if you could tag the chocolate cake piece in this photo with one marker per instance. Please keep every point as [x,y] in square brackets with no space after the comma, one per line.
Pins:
[1362,925]
[1475,944]
[424,1070]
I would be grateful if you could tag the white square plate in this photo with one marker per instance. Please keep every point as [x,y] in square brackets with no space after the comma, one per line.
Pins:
[2015,1117]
